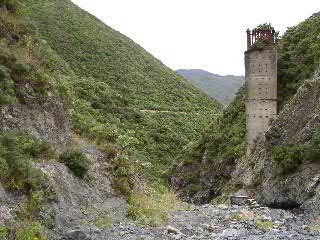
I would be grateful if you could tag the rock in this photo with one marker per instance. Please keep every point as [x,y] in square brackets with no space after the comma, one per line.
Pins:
[229,232]
[41,117]
[75,235]
[179,236]
[172,230]
[3,195]
[240,200]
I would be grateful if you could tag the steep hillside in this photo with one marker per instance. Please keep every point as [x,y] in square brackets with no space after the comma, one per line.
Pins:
[125,89]
[221,88]
[299,57]
[85,114]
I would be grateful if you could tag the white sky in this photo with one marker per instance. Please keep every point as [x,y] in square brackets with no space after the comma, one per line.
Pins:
[204,34]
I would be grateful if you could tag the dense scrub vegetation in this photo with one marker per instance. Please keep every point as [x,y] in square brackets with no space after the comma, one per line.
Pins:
[18,174]
[299,55]
[290,156]
[11,5]
[76,161]
[226,137]
[216,151]
[112,84]
[27,64]
[16,154]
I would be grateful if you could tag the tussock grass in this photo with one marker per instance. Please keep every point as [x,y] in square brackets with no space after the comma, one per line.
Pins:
[150,206]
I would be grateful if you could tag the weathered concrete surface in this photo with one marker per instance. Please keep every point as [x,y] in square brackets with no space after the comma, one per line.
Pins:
[261,92]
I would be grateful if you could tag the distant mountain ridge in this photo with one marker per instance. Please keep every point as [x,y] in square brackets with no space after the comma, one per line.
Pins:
[221,88]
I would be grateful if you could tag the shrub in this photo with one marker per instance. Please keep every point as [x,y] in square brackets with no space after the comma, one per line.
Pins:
[287,157]
[17,150]
[4,232]
[299,55]
[124,170]
[264,224]
[76,161]
[150,206]
[23,175]
[31,230]
[6,86]
[11,5]
[103,221]
[4,168]
[312,151]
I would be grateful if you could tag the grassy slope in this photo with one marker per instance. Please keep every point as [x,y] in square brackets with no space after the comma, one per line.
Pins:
[115,79]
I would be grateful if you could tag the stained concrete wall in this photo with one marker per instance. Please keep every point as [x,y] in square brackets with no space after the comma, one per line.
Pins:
[261,92]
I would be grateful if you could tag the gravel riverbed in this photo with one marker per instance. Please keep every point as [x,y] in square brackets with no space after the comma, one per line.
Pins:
[214,222]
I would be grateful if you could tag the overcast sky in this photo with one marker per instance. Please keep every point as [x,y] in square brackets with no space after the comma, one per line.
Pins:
[205,34]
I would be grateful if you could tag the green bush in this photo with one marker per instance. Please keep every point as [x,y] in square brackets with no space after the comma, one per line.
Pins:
[226,137]
[6,86]
[11,5]
[150,206]
[312,151]
[16,162]
[23,175]
[287,157]
[4,232]
[264,224]
[298,58]
[76,161]
[4,168]
[124,170]
[31,231]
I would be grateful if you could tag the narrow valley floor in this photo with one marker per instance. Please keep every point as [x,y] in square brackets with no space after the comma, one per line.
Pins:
[215,222]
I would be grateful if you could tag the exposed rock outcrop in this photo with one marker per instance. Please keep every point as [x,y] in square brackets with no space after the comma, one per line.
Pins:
[41,117]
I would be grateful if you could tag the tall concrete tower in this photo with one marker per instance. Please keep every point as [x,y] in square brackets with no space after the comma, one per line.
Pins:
[261,83]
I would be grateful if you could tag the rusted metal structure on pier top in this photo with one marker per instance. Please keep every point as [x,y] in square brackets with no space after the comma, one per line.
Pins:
[265,35]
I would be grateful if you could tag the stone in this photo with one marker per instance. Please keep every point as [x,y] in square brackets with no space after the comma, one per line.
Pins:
[239,200]
[75,235]
[229,232]
[172,230]
[3,195]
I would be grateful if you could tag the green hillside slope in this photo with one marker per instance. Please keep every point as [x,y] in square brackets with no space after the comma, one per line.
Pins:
[221,88]
[119,90]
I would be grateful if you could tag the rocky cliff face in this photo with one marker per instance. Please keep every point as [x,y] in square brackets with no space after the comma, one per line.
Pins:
[41,117]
